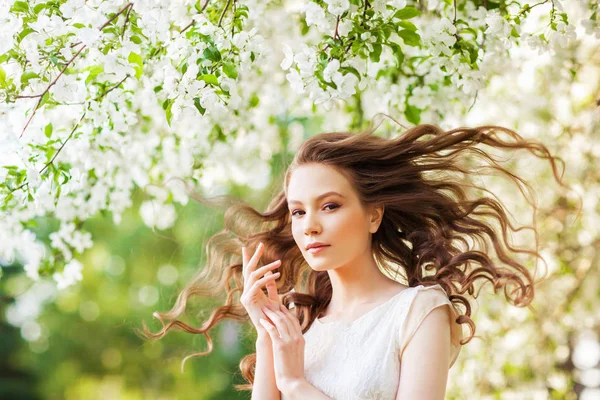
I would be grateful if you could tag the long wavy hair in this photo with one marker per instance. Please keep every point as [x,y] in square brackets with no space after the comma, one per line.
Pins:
[436,227]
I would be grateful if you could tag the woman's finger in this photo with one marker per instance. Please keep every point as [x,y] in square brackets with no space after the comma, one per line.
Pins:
[245,261]
[259,283]
[280,322]
[271,330]
[294,321]
[253,262]
[259,273]
[271,288]
[289,321]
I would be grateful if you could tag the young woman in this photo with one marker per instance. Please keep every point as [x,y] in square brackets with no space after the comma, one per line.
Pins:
[356,212]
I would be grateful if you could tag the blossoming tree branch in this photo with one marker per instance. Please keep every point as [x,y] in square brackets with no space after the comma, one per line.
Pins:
[100,97]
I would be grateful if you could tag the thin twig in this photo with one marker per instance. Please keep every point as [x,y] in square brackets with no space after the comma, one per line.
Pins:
[336,34]
[47,89]
[116,15]
[233,24]
[112,88]
[63,144]
[223,13]
[188,26]
[528,7]
[126,20]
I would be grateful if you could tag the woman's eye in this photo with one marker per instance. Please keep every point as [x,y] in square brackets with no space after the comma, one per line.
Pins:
[332,206]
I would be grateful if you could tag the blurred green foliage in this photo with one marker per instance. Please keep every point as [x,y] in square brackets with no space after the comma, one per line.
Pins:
[88,348]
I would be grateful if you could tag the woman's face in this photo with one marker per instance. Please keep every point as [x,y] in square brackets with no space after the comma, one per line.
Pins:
[338,220]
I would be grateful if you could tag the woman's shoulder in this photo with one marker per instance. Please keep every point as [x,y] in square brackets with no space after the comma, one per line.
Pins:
[424,299]
[427,296]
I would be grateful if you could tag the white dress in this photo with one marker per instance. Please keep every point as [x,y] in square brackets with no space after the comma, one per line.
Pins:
[360,360]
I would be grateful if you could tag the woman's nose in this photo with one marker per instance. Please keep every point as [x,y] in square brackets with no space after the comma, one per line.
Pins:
[311,226]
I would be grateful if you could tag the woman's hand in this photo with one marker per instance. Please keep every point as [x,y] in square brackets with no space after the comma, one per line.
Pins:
[288,346]
[253,299]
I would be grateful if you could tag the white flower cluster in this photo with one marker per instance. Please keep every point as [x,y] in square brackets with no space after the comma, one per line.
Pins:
[125,139]
[119,151]
[304,81]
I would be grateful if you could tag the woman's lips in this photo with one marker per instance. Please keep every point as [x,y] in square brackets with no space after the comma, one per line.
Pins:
[316,250]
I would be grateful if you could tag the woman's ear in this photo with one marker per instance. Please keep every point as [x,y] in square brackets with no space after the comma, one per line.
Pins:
[376,218]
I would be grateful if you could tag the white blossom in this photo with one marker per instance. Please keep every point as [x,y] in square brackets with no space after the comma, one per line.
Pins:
[337,7]
[89,36]
[295,81]
[156,214]
[315,15]
[10,24]
[306,60]
[289,57]
[69,276]
[331,69]
[497,25]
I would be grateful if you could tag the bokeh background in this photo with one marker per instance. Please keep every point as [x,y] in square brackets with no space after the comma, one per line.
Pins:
[79,342]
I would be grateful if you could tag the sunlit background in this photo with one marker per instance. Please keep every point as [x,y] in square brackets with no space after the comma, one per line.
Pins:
[79,342]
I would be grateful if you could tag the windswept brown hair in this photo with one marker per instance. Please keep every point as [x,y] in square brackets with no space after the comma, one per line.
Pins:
[436,227]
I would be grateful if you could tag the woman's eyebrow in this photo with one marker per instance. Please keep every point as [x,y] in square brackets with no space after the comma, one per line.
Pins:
[318,197]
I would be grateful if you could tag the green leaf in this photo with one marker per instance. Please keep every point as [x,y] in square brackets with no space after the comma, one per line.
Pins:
[24,33]
[230,70]
[212,53]
[514,32]
[387,30]
[254,100]
[8,198]
[198,106]
[398,53]
[409,37]
[210,79]
[407,25]
[376,53]
[138,63]
[305,28]
[351,70]
[3,82]
[39,8]
[45,98]
[469,30]
[65,176]
[169,114]
[95,70]
[413,114]
[48,130]
[27,75]
[407,13]
[136,39]
[20,6]
[216,134]
[239,13]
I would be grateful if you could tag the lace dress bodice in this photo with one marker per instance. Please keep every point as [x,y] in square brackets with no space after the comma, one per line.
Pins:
[360,360]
